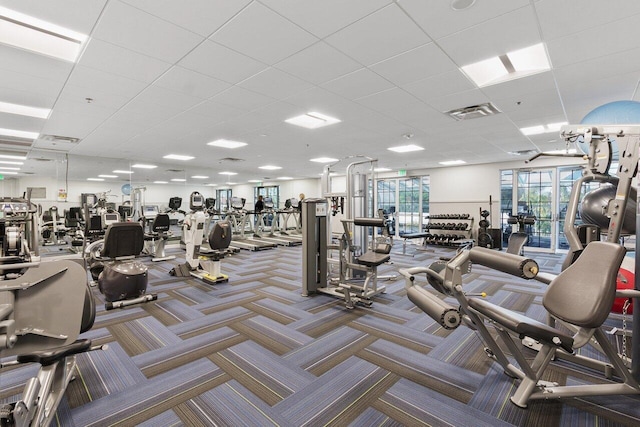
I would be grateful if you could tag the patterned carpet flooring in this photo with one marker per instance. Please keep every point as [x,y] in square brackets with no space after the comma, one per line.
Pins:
[254,352]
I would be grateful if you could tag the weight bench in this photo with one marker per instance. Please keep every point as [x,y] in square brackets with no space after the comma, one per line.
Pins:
[407,236]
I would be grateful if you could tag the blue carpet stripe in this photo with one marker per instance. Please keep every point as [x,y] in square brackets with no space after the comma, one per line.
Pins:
[15,378]
[428,406]
[371,417]
[166,419]
[278,332]
[292,296]
[118,407]
[493,396]
[318,319]
[267,368]
[195,295]
[117,315]
[284,310]
[166,354]
[382,328]
[152,333]
[222,290]
[424,365]
[459,345]
[316,302]
[325,347]
[210,320]
[398,314]
[179,310]
[96,334]
[331,394]
[234,299]
[231,404]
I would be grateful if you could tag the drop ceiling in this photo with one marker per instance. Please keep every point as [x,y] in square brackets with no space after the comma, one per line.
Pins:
[168,77]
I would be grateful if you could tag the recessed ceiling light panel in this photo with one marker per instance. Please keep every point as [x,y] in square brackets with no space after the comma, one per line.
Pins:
[312,120]
[29,33]
[178,180]
[160,182]
[122,171]
[270,167]
[19,133]
[227,173]
[199,177]
[178,157]
[452,162]
[405,148]
[226,143]
[23,110]
[143,166]
[95,179]
[324,160]
[107,176]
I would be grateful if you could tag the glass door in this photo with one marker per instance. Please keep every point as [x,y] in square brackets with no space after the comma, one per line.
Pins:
[409,215]
[535,195]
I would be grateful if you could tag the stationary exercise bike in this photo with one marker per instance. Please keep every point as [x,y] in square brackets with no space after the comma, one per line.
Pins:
[44,306]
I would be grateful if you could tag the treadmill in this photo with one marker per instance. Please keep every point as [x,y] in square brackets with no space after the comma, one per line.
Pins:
[240,239]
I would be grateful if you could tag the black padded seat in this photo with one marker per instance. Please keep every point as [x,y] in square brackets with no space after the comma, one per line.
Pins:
[123,239]
[414,235]
[522,325]
[48,357]
[373,259]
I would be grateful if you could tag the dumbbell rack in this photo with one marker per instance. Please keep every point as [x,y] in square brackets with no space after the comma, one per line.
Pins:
[448,229]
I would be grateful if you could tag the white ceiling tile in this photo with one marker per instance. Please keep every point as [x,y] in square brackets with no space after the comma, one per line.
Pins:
[76,96]
[201,16]
[160,96]
[141,32]
[215,112]
[97,83]
[318,63]
[18,122]
[615,88]
[221,63]
[358,84]
[440,85]
[114,59]
[325,17]
[438,18]
[191,83]
[398,104]
[24,89]
[541,100]
[600,67]
[590,44]
[555,15]
[242,99]
[260,33]
[416,64]
[381,35]
[527,85]
[76,15]
[275,84]
[497,36]
[32,64]
[70,124]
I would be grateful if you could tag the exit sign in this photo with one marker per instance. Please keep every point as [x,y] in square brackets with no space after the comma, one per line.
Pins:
[402,172]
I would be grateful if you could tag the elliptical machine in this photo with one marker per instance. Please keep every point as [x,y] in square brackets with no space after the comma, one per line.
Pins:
[201,263]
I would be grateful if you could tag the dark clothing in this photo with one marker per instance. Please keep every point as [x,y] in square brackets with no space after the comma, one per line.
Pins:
[259,206]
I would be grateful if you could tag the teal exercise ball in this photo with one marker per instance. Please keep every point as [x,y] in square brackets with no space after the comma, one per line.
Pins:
[614,113]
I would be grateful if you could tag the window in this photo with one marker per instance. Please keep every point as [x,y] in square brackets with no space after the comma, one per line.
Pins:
[222,199]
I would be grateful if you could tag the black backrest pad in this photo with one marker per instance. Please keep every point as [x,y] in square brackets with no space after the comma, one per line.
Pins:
[123,239]
[161,222]
[220,236]
[583,293]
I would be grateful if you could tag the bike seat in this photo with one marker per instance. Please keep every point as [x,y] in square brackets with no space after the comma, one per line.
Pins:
[51,356]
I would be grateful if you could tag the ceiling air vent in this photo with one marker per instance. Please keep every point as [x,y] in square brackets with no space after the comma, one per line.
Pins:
[473,112]
[230,159]
[58,138]
[175,170]
[523,152]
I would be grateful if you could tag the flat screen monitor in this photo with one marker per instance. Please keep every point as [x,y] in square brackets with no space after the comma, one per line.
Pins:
[151,211]
[110,218]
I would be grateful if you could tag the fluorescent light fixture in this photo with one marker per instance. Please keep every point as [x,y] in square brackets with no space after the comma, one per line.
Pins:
[284,178]
[6,162]
[178,157]
[254,181]
[513,65]
[555,127]
[405,148]
[19,133]
[270,168]
[382,170]
[160,182]
[211,185]
[226,143]
[178,180]
[227,173]
[230,183]
[122,171]
[23,110]
[312,120]
[452,162]
[95,179]
[10,156]
[199,177]
[532,130]
[107,176]
[143,166]
[8,173]
[324,160]
[540,129]
[9,168]
[29,33]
